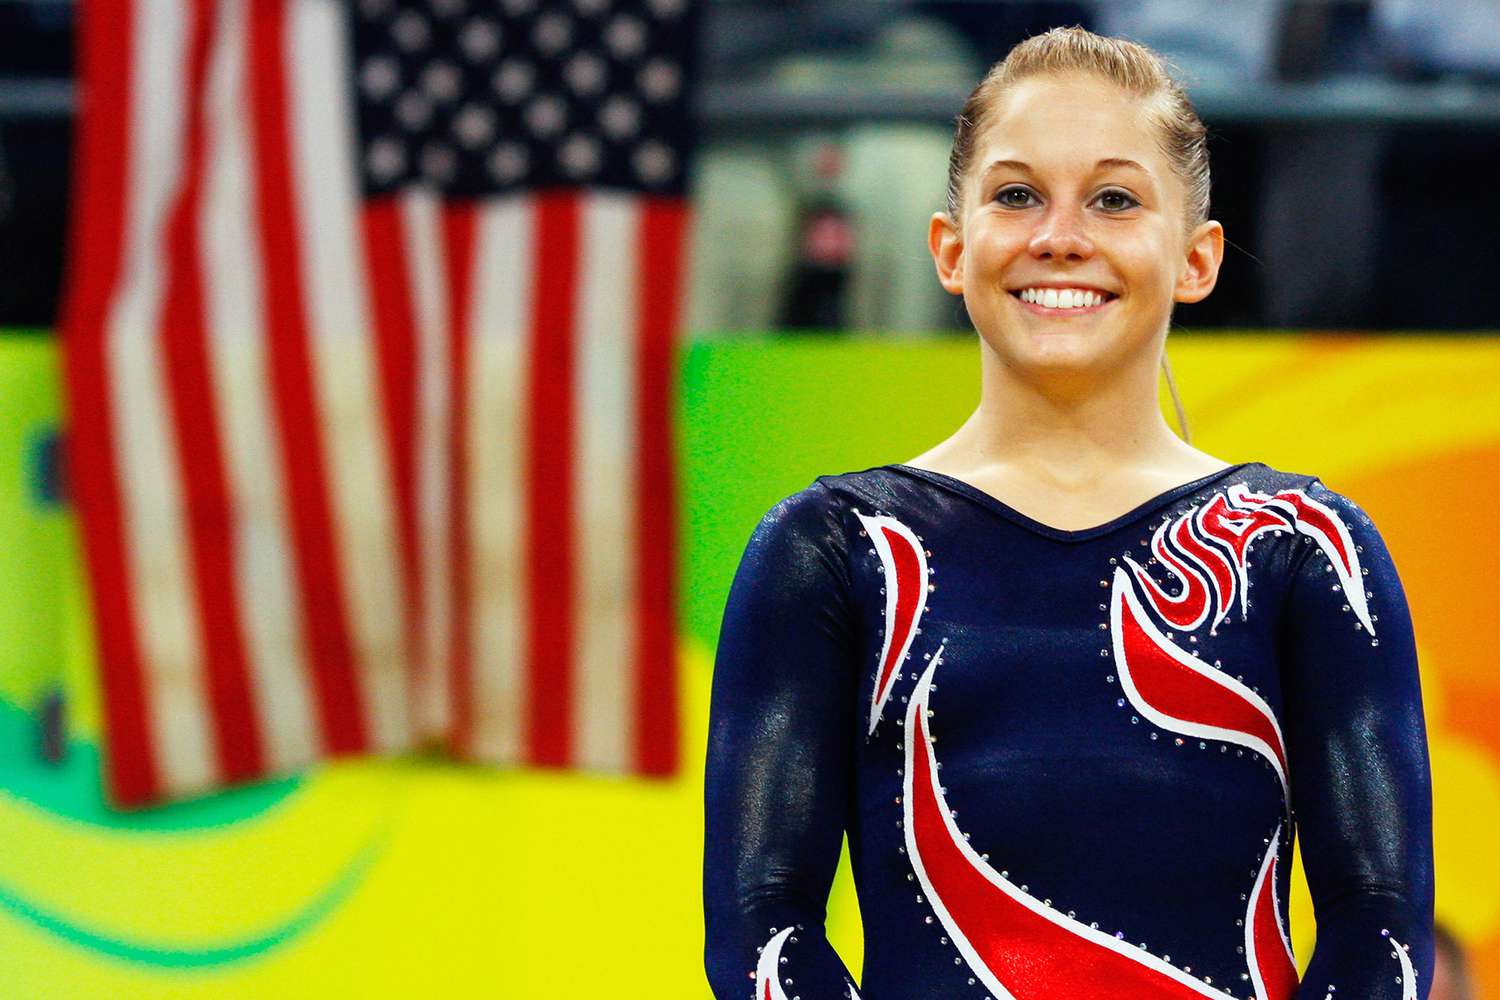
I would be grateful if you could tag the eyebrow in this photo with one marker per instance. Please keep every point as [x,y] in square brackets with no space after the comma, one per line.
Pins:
[1109,161]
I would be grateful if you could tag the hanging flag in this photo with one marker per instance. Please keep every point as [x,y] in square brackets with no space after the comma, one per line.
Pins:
[369,345]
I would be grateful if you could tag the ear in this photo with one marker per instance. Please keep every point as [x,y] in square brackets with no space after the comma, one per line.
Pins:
[1205,252]
[947,252]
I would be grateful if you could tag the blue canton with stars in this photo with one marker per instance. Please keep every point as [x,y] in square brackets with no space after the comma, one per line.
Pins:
[478,98]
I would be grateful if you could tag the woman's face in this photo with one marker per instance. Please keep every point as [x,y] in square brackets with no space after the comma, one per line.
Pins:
[1068,197]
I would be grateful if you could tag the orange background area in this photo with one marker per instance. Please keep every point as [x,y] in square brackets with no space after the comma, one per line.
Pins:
[1449,540]
[1410,429]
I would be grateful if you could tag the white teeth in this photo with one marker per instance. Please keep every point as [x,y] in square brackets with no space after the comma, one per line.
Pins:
[1066,298]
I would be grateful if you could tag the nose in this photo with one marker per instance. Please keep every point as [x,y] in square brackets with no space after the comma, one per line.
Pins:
[1060,235]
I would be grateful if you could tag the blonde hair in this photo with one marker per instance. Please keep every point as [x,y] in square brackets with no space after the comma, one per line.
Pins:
[1131,66]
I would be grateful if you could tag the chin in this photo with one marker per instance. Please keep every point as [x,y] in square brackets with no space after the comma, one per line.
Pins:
[1049,351]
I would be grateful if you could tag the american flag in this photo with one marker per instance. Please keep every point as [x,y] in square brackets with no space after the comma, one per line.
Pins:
[370,353]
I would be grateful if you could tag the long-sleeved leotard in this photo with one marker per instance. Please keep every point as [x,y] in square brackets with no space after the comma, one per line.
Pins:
[1069,763]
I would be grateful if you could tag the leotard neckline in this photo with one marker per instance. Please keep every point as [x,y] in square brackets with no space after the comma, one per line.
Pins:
[1005,510]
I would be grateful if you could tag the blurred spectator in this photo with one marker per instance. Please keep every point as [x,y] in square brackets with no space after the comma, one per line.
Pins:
[1450,976]
[896,177]
[818,296]
[828,229]
[742,239]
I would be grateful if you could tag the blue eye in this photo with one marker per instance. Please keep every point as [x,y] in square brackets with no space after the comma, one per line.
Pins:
[1124,202]
[1004,197]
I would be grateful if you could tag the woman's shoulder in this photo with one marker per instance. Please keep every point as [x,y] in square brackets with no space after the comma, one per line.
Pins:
[1303,493]
[837,493]
[1340,544]
[833,507]
[1321,516]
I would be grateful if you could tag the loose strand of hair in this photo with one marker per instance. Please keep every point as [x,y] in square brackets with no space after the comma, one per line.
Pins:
[1182,420]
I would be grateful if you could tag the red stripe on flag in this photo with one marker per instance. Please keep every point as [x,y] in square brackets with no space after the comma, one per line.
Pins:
[458,240]
[550,565]
[190,393]
[660,251]
[392,307]
[106,39]
[321,586]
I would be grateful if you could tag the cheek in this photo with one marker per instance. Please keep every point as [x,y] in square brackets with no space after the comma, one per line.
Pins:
[992,247]
[1154,258]
[1143,273]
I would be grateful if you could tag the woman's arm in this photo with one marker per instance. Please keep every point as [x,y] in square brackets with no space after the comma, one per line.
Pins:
[1361,790]
[777,781]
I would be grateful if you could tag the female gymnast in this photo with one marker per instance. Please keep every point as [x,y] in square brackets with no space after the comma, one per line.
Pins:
[1025,672]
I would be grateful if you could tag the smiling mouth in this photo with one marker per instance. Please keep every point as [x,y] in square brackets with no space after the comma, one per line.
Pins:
[1063,301]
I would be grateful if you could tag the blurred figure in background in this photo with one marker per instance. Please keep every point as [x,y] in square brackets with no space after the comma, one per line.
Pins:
[1450,975]
[816,230]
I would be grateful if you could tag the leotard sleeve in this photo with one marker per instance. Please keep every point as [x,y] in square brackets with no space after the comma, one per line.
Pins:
[777,780]
[1360,782]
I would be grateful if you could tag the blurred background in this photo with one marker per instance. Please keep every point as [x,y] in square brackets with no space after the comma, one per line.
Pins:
[1353,334]
[1352,147]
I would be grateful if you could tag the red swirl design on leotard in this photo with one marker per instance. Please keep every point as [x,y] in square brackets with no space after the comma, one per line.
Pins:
[1235,528]
[1210,546]
[1191,605]
[1214,542]
[1323,525]
[904,563]
[1180,693]
[1018,947]
[1268,952]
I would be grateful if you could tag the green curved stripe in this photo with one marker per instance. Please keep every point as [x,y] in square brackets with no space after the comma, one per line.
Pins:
[74,789]
[169,957]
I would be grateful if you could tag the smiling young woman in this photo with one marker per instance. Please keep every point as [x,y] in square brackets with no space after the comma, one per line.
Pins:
[1076,220]
[1137,717]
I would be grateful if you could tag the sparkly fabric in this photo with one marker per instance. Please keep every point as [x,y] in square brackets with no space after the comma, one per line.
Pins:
[1069,763]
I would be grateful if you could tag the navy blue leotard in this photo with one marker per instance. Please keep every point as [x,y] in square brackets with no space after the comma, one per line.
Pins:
[1070,764]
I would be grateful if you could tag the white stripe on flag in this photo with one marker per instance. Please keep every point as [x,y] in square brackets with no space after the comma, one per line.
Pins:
[604,464]
[151,495]
[269,614]
[422,215]
[340,336]
[499,336]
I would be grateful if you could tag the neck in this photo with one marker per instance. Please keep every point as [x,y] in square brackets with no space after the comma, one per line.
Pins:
[1074,427]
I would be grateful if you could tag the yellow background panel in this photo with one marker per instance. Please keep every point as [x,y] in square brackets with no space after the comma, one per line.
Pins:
[418,877]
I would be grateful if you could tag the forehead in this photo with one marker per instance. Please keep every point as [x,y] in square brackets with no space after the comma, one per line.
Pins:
[1067,123]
